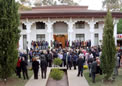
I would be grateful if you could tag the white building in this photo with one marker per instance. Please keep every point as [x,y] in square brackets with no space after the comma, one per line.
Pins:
[73,22]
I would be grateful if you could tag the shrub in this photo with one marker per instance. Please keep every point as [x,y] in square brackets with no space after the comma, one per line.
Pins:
[56,74]
[85,66]
[48,47]
[57,61]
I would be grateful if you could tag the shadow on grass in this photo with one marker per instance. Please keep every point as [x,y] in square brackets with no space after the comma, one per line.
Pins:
[99,78]
[15,81]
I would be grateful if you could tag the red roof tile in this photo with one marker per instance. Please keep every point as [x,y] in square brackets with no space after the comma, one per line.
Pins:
[64,11]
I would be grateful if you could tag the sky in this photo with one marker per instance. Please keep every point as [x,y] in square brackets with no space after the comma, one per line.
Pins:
[92,4]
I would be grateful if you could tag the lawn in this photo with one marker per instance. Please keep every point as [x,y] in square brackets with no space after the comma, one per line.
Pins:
[99,78]
[15,81]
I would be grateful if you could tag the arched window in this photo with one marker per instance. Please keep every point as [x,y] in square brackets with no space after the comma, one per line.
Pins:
[40,25]
[80,25]
[24,27]
[96,26]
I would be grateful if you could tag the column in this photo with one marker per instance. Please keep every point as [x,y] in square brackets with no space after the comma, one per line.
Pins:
[70,31]
[20,42]
[28,31]
[49,31]
[115,32]
[91,25]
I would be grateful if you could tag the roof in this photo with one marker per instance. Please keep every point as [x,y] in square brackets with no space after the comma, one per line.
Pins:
[65,11]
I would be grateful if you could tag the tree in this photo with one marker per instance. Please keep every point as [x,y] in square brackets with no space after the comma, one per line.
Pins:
[112,4]
[9,36]
[69,2]
[119,26]
[54,2]
[108,47]
[23,8]
[44,3]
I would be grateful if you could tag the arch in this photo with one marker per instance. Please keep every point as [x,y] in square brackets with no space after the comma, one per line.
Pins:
[60,30]
[39,24]
[60,27]
[22,26]
[60,21]
[32,22]
[78,20]
[80,24]
[39,21]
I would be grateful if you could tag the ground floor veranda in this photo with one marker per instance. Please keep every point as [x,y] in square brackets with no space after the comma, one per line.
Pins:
[62,30]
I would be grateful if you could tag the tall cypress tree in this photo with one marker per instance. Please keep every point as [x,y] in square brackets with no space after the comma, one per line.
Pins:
[108,47]
[9,36]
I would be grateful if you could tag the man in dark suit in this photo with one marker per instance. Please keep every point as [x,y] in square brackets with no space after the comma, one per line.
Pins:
[24,68]
[80,63]
[49,58]
[43,68]
[93,70]
[35,67]
[90,60]
[75,57]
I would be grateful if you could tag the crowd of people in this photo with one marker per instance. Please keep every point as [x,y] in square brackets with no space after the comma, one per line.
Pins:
[79,43]
[39,45]
[75,44]
[71,57]
[42,45]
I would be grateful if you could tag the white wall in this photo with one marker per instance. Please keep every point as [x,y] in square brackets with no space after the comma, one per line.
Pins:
[84,31]
[35,31]
[60,28]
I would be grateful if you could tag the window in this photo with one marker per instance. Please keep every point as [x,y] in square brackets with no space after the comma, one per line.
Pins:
[24,41]
[40,37]
[96,39]
[96,25]
[24,27]
[80,37]
[80,25]
[40,25]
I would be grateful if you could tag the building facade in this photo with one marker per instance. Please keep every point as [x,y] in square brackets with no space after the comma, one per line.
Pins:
[70,23]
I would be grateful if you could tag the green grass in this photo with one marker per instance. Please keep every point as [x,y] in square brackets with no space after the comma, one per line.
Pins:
[99,78]
[15,81]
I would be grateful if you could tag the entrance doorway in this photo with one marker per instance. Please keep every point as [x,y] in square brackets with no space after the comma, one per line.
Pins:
[60,30]
[61,40]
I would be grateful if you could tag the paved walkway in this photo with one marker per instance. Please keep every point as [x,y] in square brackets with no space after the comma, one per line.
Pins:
[72,78]
[76,81]
[38,82]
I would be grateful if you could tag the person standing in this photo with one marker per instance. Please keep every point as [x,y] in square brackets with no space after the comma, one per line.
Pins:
[75,57]
[89,62]
[99,70]
[49,58]
[60,55]
[31,55]
[42,55]
[43,68]
[35,67]
[24,68]
[18,68]
[69,61]
[116,65]
[25,55]
[93,70]
[80,63]
[64,57]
